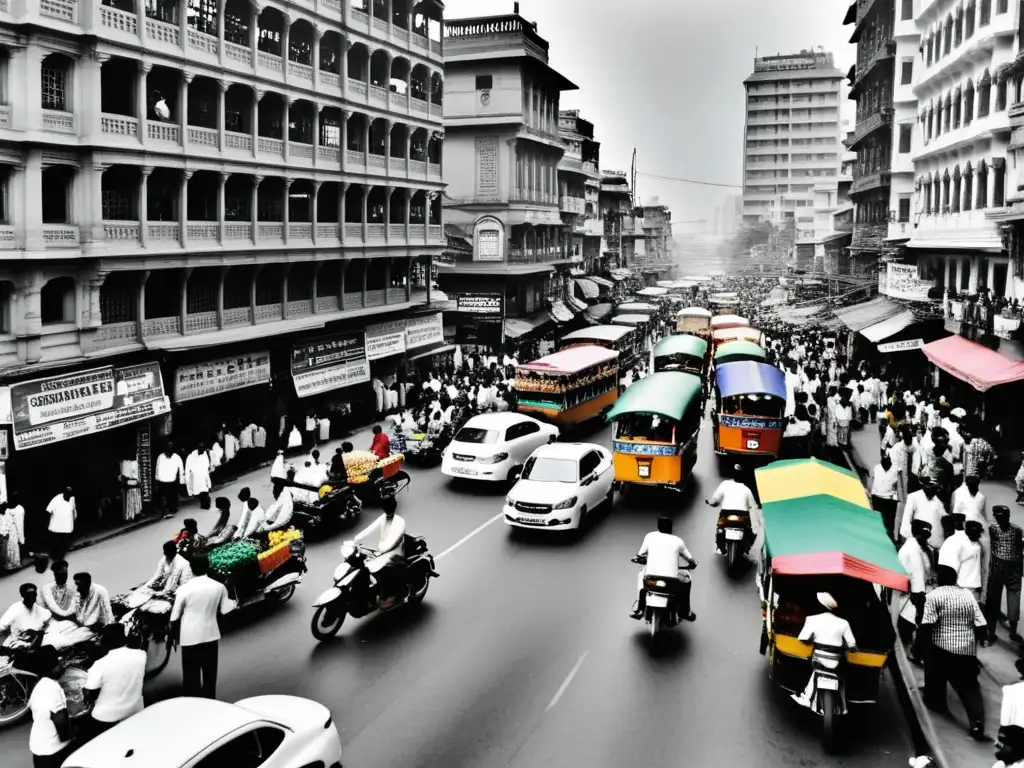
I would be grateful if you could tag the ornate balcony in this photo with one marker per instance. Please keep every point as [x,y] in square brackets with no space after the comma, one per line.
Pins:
[870,181]
[869,125]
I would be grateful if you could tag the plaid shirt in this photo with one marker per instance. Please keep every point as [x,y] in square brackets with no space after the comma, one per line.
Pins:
[977,456]
[954,614]
[1007,545]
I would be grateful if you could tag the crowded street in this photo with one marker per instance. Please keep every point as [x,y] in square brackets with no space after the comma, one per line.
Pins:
[523,653]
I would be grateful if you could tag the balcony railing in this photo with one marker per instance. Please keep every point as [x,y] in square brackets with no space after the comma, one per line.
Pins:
[869,125]
[870,181]
[569,204]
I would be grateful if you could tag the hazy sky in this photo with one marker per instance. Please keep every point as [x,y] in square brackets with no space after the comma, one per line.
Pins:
[666,77]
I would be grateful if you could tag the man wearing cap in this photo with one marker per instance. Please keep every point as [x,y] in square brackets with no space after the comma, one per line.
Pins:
[824,628]
[1006,541]
[917,558]
[924,505]
[962,552]
[953,623]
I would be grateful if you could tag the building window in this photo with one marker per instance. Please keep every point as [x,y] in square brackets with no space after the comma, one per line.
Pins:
[968,103]
[999,184]
[54,82]
[907,10]
[986,13]
[484,82]
[956,108]
[947,36]
[163,10]
[982,186]
[928,58]
[1002,6]
[958,28]
[968,187]
[119,204]
[969,25]
[906,131]
[57,301]
[903,214]
[1001,94]
[945,192]
[907,72]
[955,203]
[202,16]
[984,95]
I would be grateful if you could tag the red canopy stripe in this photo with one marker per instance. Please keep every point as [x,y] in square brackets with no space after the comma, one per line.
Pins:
[839,564]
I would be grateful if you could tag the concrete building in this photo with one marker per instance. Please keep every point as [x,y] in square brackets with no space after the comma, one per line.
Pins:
[615,204]
[791,139]
[503,151]
[579,185]
[658,258]
[191,193]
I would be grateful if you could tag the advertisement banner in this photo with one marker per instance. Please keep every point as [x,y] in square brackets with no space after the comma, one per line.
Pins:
[901,346]
[192,382]
[313,382]
[487,307]
[385,339]
[423,331]
[901,281]
[46,411]
[328,352]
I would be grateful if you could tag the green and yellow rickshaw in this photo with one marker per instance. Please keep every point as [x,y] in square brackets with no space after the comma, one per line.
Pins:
[740,351]
[681,352]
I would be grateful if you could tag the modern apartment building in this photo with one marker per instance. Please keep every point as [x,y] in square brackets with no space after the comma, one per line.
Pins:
[791,139]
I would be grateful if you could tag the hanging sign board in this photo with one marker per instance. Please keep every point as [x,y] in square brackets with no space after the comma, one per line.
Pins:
[901,346]
[423,331]
[385,339]
[192,382]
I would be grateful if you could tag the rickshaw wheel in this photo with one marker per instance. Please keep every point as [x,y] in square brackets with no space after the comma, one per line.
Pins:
[829,738]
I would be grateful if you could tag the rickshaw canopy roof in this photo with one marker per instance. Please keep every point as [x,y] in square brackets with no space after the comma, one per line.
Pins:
[681,344]
[652,291]
[601,332]
[739,348]
[631,319]
[796,478]
[737,334]
[570,360]
[694,312]
[750,378]
[668,394]
[725,295]
[636,306]
[729,321]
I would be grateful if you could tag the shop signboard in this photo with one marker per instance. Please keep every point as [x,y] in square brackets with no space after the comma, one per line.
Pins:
[328,352]
[423,331]
[483,307]
[59,408]
[317,380]
[901,346]
[385,339]
[192,382]
[901,281]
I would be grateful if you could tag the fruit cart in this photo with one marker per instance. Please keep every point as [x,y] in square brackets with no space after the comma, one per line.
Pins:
[374,479]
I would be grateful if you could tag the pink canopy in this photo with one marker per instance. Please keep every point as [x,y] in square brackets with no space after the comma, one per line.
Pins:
[979,366]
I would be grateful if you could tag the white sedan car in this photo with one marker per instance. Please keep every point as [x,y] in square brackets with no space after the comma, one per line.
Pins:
[560,484]
[492,445]
[264,731]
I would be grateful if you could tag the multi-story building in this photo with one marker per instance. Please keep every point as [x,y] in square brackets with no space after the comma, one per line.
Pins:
[192,192]
[503,152]
[907,40]
[961,81]
[791,139]
[615,204]
[579,187]
[658,258]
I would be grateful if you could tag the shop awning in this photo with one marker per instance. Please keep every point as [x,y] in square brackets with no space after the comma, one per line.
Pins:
[577,272]
[601,281]
[560,313]
[890,327]
[440,349]
[516,327]
[574,303]
[969,361]
[599,311]
[588,288]
[868,313]
[618,278]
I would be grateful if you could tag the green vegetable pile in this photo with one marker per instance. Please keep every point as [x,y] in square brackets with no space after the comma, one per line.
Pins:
[234,557]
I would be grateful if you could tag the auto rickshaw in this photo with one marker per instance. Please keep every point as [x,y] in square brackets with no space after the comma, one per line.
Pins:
[750,403]
[725,335]
[569,387]
[656,427]
[695,321]
[681,352]
[637,308]
[718,322]
[821,536]
[738,352]
[724,300]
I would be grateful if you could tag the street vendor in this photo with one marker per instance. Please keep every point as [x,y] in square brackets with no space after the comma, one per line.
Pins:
[58,597]
[172,571]
[279,514]
[92,603]
[25,621]
[338,472]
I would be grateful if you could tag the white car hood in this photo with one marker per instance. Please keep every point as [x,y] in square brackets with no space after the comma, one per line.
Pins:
[533,492]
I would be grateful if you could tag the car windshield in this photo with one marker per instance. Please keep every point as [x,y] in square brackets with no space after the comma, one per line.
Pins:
[550,470]
[477,435]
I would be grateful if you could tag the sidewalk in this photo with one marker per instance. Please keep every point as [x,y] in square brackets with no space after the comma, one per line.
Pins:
[227,483]
[948,735]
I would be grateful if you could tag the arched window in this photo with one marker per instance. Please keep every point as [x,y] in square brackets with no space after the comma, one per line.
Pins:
[947,36]
[968,103]
[968,186]
[945,191]
[971,13]
[982,185]
[984,94]
[985,16]
[57,301]
[956,108]
[955,202]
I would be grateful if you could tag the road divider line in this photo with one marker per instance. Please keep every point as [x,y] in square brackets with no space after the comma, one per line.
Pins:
[470,535]
[567,681]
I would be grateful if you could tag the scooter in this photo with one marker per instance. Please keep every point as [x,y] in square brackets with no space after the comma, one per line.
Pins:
[738,537]
[664,598]
[827,690]
[357,593]
[337,507]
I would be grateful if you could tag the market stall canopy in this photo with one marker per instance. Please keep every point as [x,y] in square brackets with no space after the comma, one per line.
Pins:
[725,335]
[728,321]
[440,349]
[516,327]
[750,378]
[599,311]
[868,313]
[969,361]
[796,478]
[668,394]
[636,307]
[570,360]
[890,327]
[652,291]
[695,312]
[601,281]
[738,351]
[681,344]
[560,312]
[631,319]
[588,288]
[599,332]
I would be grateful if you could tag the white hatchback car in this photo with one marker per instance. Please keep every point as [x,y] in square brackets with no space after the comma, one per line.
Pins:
[264,731]
[490,446]
[559,485]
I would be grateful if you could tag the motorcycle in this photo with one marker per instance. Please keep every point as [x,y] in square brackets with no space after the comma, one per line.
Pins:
[663,609]
[336,506]
[17,681]
[738,536]
[357,593]
[827,689]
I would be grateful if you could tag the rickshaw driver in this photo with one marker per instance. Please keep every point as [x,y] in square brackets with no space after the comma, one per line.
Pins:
[735,498]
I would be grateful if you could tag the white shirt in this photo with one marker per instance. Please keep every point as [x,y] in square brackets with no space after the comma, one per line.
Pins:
[170,575]
[392,533]
[325,429]
[169,469]
[17,514]
[47,699]
[310,423]
[971,507]
[18,619]
[197,473]
[259,437]
[663,551]
[197,605]
[254,521]
[918,507]
[733,497]
[827,629]
[964,556]
[118,677]
[62,514]
[883,481]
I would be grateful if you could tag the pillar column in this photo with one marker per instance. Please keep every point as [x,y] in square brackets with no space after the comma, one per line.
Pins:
[183,25]
[222,111]
[366,143]
[255,126]
[284,291]
[222,278]
[391,16]
[408,212]
[93,209]
[387,280]
[341,284]
[140,307]
[317,107]
[186,78]
[144,173]
[346,46]
[388,125]
[387,213]
[286,29]
[183,297]
[344,141]
[342,189]
[183,208]
[254,214]
[366,268]
[221,205]
[252,292]
[141,95]
[366,196]
[288,101]
[221,6]
[254,36]
[408,279]
[287,186]
[316,61]
[313,212]
[316,283]
[990,180]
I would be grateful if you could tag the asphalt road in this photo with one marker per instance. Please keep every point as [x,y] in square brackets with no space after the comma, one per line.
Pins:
[523,653]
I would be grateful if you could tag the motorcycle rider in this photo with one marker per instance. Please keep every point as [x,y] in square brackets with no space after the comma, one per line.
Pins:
[390,550]
[828,629]
[663,551]
[734,498]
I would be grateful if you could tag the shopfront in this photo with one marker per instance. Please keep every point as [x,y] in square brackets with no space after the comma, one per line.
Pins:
[89,429]
[331,377]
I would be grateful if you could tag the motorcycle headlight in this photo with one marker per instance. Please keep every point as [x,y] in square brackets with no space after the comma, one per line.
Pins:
[492,459]
[567,504]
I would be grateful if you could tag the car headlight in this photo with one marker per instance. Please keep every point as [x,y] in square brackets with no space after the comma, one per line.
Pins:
[492,459]
[509,501]
[567,504]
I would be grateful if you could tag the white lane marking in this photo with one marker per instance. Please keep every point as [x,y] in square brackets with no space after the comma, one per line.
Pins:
[567,681]
[470,535]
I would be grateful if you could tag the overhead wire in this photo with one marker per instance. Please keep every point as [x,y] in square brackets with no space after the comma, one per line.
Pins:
[690,181]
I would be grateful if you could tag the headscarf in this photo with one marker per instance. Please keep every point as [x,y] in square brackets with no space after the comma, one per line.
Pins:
[827,600]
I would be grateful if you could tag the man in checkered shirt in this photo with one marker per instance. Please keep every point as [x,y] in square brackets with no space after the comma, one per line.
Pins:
[954,623]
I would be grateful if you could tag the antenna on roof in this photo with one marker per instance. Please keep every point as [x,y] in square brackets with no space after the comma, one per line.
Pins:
[515,8]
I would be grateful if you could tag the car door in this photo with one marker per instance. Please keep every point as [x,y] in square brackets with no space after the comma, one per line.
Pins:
[529,438]
[249,749]
[605,473]
[588,479]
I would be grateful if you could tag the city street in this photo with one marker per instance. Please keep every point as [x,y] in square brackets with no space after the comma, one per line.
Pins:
[523,653]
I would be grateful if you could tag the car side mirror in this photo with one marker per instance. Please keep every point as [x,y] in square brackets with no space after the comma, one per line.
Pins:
[517,474]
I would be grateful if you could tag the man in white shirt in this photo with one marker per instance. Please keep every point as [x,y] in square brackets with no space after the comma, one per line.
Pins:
[962,552]
[884,490]
[49,741]
[254,522]
[197,472]
[115,681]
[734,497]
[197,606]
[663,552]
[63,514]
[169,474]
[390,550]
[924,505]
[172,571]
[279,514]
[25,621]
[824,629]
[970,502]
[916,557]
[310,436]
